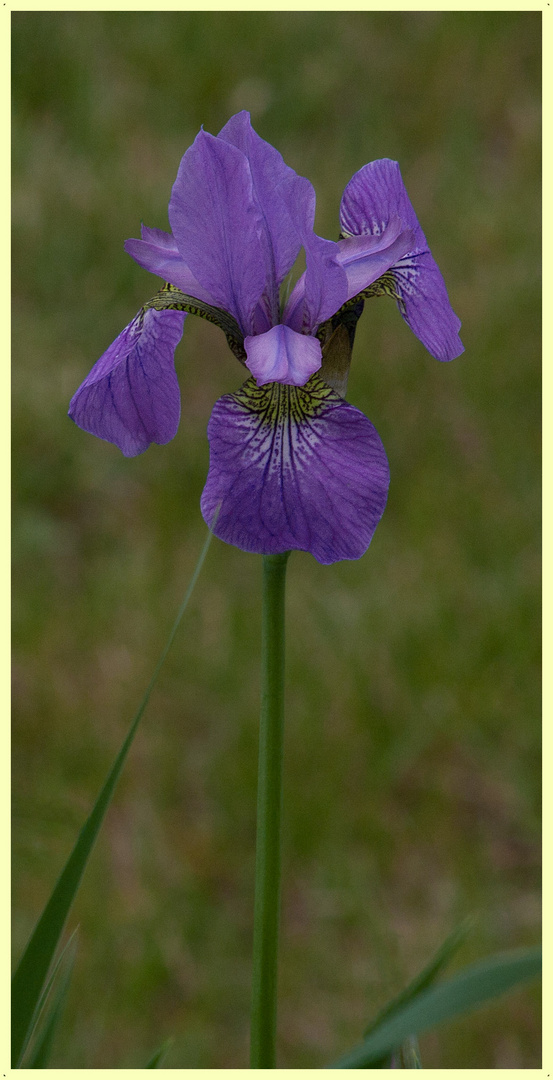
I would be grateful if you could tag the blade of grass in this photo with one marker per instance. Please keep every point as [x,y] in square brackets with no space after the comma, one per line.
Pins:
[159,1055]
[421,982]
[33,967]
[42,1049]
[42,1002]
[426,977]
[469,988]
[410,1055]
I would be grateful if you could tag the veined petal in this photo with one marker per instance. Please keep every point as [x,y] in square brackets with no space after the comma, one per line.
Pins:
[294,467]
[271,177]
[373,196]
[281,355]
[131,397]
[157,252]
[365,258]
[424,304]
[216,222]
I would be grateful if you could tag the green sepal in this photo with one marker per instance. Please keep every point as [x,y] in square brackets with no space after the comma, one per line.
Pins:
[336,337]
[169,298]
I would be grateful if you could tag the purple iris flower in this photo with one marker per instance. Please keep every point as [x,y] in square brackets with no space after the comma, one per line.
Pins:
[292,464]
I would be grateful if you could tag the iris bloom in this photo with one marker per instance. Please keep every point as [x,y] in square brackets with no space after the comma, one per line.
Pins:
[292,464]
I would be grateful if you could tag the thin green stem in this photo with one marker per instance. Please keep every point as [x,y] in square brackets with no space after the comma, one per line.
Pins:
[269,800]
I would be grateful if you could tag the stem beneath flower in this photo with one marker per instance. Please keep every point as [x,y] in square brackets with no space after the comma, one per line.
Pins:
[269,800]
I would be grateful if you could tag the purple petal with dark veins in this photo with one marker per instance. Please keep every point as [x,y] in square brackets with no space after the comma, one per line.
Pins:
[217,223]
[271,178]
[365,258]
[294,467]
[373,196]
[131,397]
[281,355]
[158,253]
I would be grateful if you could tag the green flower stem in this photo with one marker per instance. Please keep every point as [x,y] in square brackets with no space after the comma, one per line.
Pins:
[269,800]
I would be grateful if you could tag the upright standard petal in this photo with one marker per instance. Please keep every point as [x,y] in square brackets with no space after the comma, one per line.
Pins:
[323,288]
[216,222]
[131,397]
[373,196]
[157,252]
[281,355]
[271,178]
[294,467]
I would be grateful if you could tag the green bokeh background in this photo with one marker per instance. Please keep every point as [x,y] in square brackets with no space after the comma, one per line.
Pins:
[412,743]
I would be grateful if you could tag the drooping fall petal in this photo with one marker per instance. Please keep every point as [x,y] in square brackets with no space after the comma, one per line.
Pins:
[294,467]
[131,397]
[373,196]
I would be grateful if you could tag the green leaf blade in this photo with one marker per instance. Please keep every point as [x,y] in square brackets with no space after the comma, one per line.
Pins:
[43,1000]
[35,963]
[159,1055]
[471,987]
[425,978]
[42,1050]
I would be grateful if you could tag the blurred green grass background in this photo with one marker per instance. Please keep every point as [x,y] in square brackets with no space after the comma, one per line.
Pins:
[412,744]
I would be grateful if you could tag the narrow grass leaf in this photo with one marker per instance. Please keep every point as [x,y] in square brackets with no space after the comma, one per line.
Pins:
[469,988]
[410,1054]
[40,1055]
[406,1057]
[421,982]
[46,991]
[426,977]
[159,1055]
[33,967]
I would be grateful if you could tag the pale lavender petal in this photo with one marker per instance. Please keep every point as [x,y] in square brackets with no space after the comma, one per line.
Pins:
[131,397]
[323,288]
[281,355]
[365,258]
[294,467]
[326,287]
[216,223]
[158,253]
[321,291]
[271,177]
[294,308]
[373,196]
